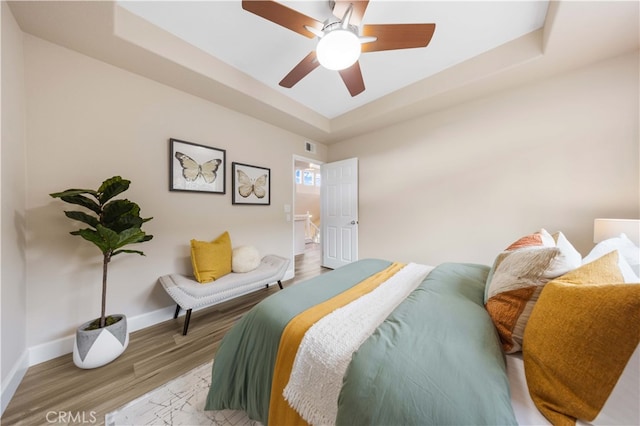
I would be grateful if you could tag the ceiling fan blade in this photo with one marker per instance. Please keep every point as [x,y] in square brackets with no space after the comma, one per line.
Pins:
[304,67]
[282,15]
[359,7]
[397,36]
[352,78]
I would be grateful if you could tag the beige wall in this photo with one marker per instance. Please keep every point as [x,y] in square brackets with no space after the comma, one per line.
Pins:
[462,183]
[12,214]
[88,121]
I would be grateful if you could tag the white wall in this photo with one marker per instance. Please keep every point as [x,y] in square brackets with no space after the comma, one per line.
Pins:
[13,360]
[87,121]
[462,183]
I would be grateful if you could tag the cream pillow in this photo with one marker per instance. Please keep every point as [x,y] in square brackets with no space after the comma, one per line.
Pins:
[244,259]
[569,258]
[572,257]
[629,256]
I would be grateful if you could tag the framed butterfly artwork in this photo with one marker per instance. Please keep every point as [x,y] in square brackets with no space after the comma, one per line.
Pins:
[196,168]
[251,184]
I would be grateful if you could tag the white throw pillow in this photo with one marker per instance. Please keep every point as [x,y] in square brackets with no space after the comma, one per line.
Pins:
[573,256]
[569,258]
[628,256]
[245,259]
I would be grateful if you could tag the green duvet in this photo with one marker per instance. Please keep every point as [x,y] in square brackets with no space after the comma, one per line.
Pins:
[435,360]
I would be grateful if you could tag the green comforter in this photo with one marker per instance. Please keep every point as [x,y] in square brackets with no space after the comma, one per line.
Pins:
[435,360]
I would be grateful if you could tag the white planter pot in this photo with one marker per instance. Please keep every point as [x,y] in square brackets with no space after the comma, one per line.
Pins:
[95,348]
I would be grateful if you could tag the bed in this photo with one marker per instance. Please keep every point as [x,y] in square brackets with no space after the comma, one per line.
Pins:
[428,352]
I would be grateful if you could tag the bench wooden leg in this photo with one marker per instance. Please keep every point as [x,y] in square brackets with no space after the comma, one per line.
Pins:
[187,317]
[177,312]
[279,285]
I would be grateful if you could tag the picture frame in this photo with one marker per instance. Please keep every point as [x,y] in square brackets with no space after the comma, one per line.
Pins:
[250,184]
[196,168]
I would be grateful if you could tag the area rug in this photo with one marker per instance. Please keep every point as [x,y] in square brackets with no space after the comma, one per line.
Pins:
[178,402]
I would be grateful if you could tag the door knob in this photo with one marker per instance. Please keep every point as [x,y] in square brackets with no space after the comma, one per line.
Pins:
[354,222]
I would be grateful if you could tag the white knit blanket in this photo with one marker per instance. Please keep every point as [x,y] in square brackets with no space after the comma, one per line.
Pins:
[327,347]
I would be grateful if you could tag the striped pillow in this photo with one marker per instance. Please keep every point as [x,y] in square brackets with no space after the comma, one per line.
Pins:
[517,280]
[517,277]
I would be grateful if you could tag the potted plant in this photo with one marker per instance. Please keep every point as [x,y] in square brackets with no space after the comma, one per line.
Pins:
[113,224]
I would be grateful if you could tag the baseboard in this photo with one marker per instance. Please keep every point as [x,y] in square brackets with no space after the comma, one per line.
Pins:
[59,347]
[15,376]
[150,318]
[63,346]
[50,350]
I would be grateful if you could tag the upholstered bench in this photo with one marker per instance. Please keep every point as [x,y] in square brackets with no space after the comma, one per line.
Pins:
[189,293]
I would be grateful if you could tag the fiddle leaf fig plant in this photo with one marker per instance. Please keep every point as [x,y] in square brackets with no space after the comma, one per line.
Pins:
[113,224]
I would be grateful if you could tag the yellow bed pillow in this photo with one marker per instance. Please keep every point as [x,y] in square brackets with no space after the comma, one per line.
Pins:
[211,260]
[579,338]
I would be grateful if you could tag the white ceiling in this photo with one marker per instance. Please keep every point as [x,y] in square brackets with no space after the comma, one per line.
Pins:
[479,48]
[267,51]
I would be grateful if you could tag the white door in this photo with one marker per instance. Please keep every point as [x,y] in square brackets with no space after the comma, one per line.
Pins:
[339,212]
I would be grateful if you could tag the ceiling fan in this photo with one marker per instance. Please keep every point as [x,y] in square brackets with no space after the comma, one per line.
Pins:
[341,40]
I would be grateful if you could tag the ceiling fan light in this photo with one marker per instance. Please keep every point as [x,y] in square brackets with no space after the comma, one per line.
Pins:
[338,49]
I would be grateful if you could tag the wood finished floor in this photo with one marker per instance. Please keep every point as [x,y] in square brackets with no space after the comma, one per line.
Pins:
[154,356]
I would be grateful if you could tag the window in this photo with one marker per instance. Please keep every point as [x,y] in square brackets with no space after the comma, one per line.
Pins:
[308,177]
[298,176]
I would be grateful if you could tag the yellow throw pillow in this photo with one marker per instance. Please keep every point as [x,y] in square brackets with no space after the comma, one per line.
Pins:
[211,260]
[579,338]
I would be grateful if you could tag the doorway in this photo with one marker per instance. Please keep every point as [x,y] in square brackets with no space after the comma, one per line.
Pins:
[306,213]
